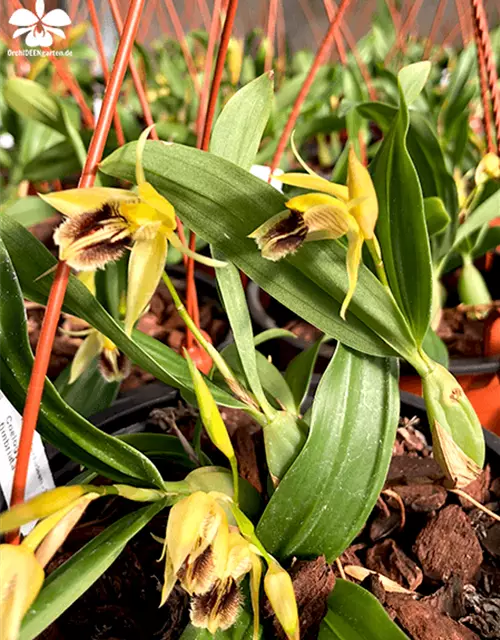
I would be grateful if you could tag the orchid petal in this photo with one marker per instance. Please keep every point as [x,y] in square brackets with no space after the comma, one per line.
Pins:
[22,579]
[300,159]
[140,178]
[308,200]
[146,264]
[23,18]
[56,18]
[255,578]
[354,250]
[361,186]
[334,220]
[73,202]
[209,262]
[169,579]
[150,196]
[86,352]
[184,526]
[314,182]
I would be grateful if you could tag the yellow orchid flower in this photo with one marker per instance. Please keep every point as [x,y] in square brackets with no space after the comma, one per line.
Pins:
[488,168]
[103,222]
[328,213]
[196,545]
[218,608]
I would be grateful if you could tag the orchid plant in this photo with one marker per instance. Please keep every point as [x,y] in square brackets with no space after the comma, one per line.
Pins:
[373,294]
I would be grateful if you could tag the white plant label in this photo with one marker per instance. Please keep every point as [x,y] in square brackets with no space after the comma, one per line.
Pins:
[39,474]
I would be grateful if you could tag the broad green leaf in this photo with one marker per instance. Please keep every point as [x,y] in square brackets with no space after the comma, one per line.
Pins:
[354,614]
[236,137]
[89,393]
[460,90]
[53,162]
[153,356]
[237,133]
[485,213]
[412,79]
[58,423]
[436,216]
[321,506]
[299,372]
[28,211]
[401,227]
[223,204]
[33,101]
[69,581]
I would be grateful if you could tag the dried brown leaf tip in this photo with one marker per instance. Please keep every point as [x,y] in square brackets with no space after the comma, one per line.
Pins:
[460,470]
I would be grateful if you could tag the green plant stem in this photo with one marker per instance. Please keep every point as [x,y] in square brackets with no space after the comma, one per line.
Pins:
[374,249]
[236,480]
[241,393]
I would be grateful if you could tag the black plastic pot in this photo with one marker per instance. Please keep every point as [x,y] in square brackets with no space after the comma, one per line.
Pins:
[290,347]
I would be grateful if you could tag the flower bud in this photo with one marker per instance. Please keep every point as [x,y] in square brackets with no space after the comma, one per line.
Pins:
[279,589]
[473,290]
[447,405]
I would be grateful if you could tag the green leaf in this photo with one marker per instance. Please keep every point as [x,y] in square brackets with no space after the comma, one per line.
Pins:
[354,614]
[270,378]
[150,354]
[69,581]
[238,131]
[53,162]
[436,216]
[299,372]
[31,100]
[412,80]
[235,305]
[90,393]
[401,227]
[58,423]
[28,211]
[223,204]
[353,426]
[436,348]
[485,213]
[158,446]
[271,334]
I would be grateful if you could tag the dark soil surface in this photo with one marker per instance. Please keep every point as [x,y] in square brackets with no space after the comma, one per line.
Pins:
[463,336]
[431,542]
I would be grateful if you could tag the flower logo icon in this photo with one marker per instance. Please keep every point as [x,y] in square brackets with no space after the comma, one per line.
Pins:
[39,26]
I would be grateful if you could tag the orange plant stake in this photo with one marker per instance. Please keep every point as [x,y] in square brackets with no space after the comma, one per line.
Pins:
[205,139]
[318,60]
[104,65]
[58,289]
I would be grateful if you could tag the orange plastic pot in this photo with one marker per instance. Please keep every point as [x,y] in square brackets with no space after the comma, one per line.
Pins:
[479,378]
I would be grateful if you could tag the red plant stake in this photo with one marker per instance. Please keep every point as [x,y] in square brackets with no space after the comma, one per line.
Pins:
[205,139]
[434,28]
[271,34]
[94,18]
[58,289]
[462,20]
[318,60]
[483,83]
[404,31]
[134,72]
[488,62]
